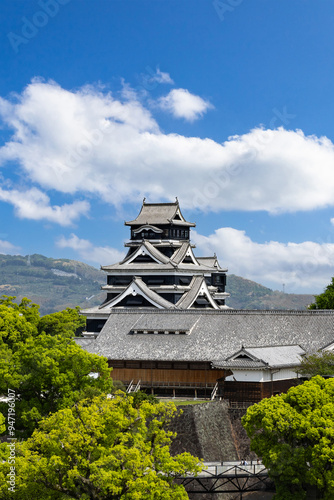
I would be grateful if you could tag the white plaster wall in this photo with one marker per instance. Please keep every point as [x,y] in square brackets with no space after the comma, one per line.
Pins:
[261,375]
[284,374]
[246,376]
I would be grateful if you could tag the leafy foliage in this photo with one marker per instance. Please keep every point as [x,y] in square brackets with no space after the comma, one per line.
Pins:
[63,323]
[103,449]
[318,364]
[47,372]
[140,396]
[2,423]
[326,299]
[294,434]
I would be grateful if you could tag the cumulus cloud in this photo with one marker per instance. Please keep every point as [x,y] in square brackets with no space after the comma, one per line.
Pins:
[182,104]
[90,142]
[87,251]
[34,204]
[300,266]
[7,248]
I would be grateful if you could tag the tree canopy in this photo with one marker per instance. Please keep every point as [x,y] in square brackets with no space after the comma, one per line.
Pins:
[47,372]
[102,449]
[321,363]
[326,299]
[66,323]
[294,435]
[2,423]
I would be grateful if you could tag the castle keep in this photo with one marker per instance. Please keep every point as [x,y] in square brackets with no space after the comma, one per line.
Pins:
[160,270]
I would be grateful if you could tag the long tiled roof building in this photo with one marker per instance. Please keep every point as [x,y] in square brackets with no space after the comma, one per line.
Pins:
[164,325]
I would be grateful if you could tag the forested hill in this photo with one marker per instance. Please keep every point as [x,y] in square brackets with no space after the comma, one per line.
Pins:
[246,294]
[55,284]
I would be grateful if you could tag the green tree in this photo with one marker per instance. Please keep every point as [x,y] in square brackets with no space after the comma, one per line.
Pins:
[66,323]
[317,364]
[47,372]
[50,373]
[140,396]
[14,327]
[26,308]
[2,423]
[294,435]
[326,299]
[104,449]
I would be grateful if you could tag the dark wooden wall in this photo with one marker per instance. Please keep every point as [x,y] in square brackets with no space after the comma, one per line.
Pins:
[166,374]
[253,391]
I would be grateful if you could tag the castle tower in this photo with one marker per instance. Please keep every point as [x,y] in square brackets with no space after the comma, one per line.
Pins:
[160,269]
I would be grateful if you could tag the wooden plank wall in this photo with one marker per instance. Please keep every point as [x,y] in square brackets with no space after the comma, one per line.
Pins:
[253,391]
[151,375]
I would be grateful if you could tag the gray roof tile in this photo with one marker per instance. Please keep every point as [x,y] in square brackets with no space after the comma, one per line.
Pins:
[215,335]
[159,213]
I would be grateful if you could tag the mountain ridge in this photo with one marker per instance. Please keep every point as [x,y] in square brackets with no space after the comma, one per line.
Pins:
[55,284]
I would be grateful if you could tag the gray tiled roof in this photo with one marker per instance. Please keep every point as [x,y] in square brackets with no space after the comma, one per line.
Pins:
[180,253]
[271,356]
[189,297]
[215,335]
[138,267]
[155,252]
[151,295]
[159,213]
[242,364]
[277,355]
[135,267]
[209,261]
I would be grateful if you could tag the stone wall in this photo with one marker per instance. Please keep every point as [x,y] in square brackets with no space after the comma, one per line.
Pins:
[213,432]
[205,430]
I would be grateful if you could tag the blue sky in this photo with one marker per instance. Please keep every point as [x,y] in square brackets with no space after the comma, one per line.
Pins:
[227,105]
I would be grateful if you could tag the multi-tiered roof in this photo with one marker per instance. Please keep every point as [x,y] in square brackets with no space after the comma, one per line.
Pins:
[160,269]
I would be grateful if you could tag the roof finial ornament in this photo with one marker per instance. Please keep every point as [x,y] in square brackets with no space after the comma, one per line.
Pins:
[177,201]
[144,199]
[215,255]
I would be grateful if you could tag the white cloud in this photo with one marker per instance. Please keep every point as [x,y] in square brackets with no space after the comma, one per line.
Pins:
[34,204]
[87,251]
[182,104]
[91,143]
[302,267]
[7,248]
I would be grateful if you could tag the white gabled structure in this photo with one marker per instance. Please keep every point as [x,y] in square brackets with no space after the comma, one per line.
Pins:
[263,364]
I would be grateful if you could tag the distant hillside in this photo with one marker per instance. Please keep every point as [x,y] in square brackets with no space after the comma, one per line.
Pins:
[246,294]
[55,284]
